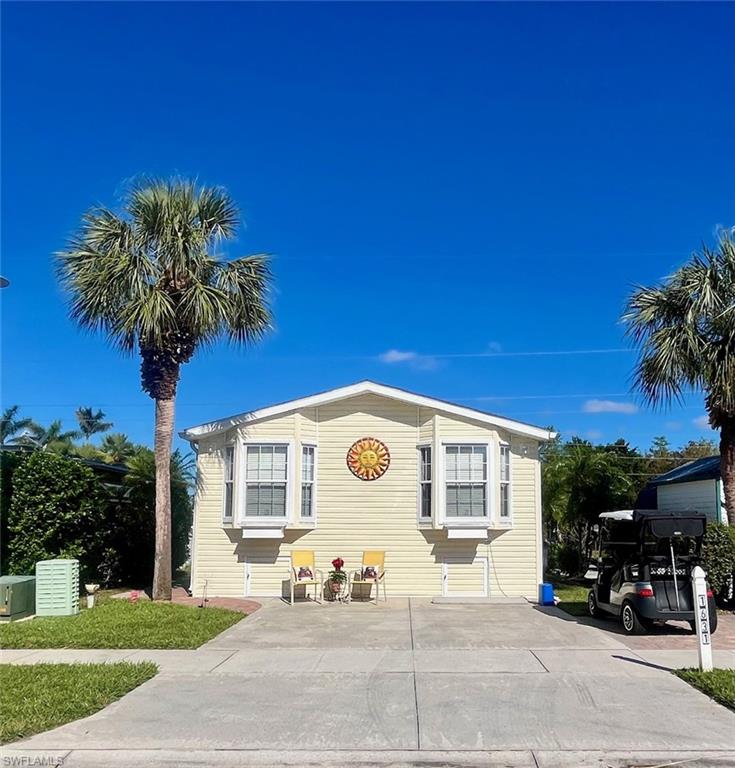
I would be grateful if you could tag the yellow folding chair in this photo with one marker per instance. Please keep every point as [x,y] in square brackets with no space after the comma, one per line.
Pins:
[372,572]
[303,573]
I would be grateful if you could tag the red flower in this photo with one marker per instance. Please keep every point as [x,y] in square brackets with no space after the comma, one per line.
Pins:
[338,562]
[134,596]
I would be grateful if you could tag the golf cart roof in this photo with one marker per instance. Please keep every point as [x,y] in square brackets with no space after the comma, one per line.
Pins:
[662,524]
[620,514]
[666,524]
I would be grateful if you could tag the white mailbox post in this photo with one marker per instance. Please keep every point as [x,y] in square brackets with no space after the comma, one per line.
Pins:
[701,618]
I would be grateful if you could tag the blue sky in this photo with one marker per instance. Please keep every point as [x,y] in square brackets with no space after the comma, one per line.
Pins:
[443,186]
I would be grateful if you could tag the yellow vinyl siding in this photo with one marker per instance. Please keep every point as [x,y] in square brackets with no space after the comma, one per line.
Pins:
[214,548]
[355,515]
[426,425]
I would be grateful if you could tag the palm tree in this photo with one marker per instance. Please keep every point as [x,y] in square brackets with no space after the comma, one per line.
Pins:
[117,448]
[591,481]
[150,277]
[685,328]
[91,423]
[10,424]
[52,438]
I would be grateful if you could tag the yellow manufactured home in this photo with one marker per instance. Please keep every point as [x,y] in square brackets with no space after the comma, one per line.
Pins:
[451,494]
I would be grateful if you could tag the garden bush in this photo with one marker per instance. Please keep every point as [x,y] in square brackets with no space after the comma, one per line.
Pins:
[8,463]
[569,559]
[719,559]
[62,508]
[58,509]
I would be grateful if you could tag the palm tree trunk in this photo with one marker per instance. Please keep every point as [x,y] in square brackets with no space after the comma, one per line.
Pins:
[162,448]
[727,465]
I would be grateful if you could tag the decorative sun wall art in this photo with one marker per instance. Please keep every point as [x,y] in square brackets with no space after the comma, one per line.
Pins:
[368,458]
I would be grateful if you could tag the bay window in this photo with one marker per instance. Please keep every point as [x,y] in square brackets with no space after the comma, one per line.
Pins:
[425,482]
[229,483]
[266,480]
[308,470]
[466,476]
[505,482]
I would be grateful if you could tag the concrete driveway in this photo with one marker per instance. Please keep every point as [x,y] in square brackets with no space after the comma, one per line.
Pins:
[410,681]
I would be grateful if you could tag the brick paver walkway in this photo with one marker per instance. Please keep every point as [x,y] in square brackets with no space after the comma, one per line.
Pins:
[673,636]
[180,595]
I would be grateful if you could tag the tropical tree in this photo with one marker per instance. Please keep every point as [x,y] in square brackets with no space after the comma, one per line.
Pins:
[116,448]
[595,482]
[91,423]
[11,424]
[149,276]
[685,328]
[52,438]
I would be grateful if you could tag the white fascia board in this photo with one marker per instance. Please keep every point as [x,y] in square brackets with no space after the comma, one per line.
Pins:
[361,388]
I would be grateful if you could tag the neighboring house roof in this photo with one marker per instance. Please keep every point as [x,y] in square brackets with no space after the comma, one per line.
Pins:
[362,388]
[701,469]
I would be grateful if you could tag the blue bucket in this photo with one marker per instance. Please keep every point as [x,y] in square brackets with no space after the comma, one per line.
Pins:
[546,594]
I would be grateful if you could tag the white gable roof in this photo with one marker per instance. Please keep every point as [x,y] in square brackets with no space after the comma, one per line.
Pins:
[361,388]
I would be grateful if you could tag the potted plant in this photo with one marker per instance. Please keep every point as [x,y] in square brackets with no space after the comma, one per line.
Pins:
[337,577]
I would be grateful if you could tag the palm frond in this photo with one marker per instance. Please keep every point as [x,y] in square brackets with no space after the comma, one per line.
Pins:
[685,331]
[146,278]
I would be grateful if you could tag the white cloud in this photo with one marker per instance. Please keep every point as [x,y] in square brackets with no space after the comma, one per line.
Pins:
[593,434]
[702,422]
[494,346]
[673,425]
[608,406]
[414,359]
[397,356]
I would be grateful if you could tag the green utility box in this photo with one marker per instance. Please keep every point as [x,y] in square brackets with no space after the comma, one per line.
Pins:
[57,587]
[17,597]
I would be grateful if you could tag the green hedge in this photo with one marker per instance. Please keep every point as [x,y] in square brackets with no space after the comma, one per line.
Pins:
[719,558]
[8,463]
[59,507]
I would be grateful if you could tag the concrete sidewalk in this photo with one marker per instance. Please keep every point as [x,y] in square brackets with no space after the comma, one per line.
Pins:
[408,683]
[164,758]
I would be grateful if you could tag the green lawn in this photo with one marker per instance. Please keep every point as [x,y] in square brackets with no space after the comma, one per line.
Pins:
[121,624]
[37,697]
[719,684]
[573,598]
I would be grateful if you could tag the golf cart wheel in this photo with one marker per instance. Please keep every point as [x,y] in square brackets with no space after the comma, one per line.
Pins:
[632,625]
[592,607]
[712,624]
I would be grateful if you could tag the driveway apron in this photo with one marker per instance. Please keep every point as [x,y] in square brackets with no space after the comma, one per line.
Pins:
[409,675]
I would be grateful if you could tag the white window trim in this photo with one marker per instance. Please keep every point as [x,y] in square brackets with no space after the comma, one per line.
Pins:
[439,469]
[505,521]
[266,522]
[425,521]
[314,485]
[228,522]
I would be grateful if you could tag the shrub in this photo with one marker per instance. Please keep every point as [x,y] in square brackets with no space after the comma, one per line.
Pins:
[9,462]
[719,558]
[62,508]
[569,559]
[57,509]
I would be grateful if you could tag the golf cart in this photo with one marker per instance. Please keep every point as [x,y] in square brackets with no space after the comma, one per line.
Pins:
[643,570]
